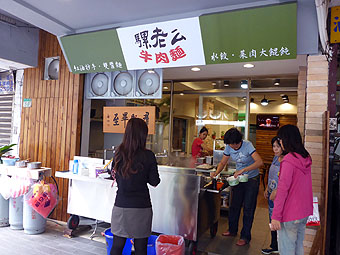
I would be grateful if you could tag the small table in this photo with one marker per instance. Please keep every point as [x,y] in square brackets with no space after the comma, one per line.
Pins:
[35,174]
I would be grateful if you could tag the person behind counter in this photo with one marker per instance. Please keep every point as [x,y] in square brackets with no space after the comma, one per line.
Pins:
[134,168]
[270,192]
[294,196]
[244,194]
[198,146]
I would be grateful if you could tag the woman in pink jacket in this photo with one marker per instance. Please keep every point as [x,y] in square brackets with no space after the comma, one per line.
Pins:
[294,198]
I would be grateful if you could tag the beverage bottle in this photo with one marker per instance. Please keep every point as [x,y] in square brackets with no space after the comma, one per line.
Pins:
[75,166]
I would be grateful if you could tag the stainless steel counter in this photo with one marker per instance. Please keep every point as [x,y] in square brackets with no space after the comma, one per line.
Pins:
[175,200]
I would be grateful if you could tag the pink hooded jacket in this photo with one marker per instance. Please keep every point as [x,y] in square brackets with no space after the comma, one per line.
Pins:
[294,198]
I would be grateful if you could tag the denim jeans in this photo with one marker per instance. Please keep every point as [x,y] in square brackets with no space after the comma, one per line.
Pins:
[273,244]
[291,237]
[244,194]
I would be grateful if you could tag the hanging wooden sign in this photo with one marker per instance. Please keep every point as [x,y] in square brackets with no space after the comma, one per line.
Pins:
[116,118]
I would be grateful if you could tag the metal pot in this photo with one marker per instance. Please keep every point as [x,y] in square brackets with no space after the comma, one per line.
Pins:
[34,165]
[21,163]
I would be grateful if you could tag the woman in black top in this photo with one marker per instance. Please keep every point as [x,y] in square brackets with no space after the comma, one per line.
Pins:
[134,168]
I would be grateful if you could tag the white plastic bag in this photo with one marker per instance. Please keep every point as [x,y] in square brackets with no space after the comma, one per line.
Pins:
[5,186]
[19,186]
[314,220]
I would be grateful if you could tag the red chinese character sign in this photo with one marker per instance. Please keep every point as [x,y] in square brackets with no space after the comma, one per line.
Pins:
[160,45]
[116,118]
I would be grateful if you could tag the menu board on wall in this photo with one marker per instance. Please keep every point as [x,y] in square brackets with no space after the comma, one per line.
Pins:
[116,118]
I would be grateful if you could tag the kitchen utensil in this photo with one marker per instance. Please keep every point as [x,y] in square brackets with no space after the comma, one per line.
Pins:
[209,160]
[108,163]
[200,160]
[9,161]
[231,171]
[233,181]
[243,178]
[21,163]
[34,165]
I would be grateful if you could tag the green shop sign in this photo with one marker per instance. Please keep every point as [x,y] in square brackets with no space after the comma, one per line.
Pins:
[258,34]
[93,52]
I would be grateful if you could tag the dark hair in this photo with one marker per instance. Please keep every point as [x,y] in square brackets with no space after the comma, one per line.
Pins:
[276,139]
[203,129]
[232,136]
[292,141]
[134,139]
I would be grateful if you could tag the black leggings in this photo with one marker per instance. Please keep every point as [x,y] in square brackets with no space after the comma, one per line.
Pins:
[140,244]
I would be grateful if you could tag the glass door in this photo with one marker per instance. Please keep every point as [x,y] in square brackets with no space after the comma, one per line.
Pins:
[218,113]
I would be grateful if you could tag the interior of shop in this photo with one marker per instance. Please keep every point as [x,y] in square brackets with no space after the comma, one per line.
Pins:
[215,104]
[257,106]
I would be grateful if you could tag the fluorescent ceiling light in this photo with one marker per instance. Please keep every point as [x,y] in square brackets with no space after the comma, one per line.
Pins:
[248,65]
[237,123]
[196,69]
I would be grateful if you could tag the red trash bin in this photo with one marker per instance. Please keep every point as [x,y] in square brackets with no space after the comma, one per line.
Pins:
[170,245]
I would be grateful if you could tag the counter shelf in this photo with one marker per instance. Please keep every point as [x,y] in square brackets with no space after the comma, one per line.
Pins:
[34,174]
[180,206]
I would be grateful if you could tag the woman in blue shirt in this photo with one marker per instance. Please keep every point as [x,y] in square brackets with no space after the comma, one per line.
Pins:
[270,192]
[248,162]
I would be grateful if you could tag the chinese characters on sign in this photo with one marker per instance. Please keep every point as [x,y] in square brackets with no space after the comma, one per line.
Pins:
[108,66]
[165,44]
[159,40]
[252,54]
[6,83]
[116,118]
[335,24]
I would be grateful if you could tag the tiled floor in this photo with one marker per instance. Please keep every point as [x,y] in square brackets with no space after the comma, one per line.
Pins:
[14,242]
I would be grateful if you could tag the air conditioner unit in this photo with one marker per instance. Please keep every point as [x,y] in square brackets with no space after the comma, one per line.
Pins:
[51,70]
[97,85]
[123,84]
[149,84]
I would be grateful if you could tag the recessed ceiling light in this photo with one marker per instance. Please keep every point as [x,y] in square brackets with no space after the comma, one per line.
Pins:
[277,82]
[226,83]
[248,65]
[166,87]
[181,94]
[196,69]
[213,83]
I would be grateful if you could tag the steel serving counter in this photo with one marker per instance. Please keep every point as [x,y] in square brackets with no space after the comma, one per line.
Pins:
[175,200]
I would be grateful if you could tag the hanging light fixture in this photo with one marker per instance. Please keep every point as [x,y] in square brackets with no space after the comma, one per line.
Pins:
[244,84]
[264,101]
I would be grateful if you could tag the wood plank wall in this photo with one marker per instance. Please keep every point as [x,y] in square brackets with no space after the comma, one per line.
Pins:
[50,129]
[264,137]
